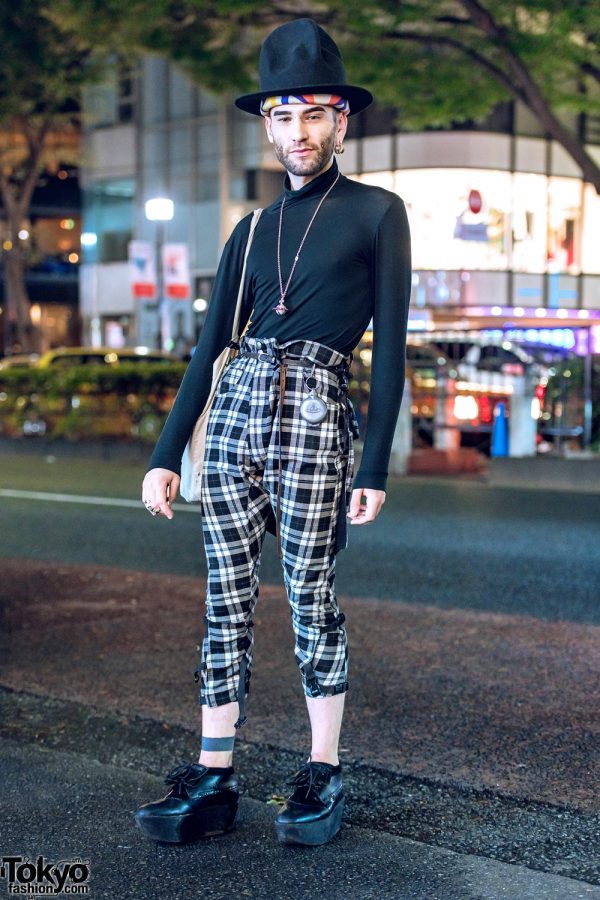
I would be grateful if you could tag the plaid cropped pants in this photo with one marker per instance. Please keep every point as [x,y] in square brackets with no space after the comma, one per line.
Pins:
[247,446]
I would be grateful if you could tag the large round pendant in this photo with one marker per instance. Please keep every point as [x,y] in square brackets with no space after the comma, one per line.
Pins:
[313,409]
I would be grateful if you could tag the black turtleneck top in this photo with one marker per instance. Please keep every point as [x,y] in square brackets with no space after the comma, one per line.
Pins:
[355,266]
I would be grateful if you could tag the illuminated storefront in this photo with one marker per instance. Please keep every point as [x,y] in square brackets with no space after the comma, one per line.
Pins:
[469,221]
[503,261]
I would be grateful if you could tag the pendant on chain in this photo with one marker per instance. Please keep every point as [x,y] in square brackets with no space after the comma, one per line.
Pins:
[281,308]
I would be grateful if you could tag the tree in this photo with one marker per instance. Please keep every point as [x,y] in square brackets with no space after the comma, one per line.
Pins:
[42,69]
[457,59]
[435,61]
[50,51]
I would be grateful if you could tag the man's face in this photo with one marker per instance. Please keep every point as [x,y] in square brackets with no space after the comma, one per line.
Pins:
[304,136]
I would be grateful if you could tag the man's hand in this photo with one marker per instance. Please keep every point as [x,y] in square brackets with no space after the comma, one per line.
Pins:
[159,490]
[360,514]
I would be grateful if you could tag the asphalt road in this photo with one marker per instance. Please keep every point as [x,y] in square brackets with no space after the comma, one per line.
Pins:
[454,544]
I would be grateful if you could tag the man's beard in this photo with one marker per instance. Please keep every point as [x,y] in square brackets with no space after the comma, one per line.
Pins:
[310,166]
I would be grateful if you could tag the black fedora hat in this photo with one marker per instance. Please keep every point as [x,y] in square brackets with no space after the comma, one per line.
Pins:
[300,58]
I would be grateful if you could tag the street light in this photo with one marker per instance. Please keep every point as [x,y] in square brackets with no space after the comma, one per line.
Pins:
[161,210]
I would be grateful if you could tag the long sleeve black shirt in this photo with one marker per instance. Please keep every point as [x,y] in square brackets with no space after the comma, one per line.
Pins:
[355,266]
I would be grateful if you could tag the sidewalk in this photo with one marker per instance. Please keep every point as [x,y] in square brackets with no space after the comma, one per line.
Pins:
[66,806]
[547,472]
[575,473]
[469,744]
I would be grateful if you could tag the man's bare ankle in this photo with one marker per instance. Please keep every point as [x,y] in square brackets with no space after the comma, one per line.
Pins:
[215,760]
[332,759]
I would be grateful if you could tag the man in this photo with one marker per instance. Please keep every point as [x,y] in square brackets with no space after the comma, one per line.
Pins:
[328,256]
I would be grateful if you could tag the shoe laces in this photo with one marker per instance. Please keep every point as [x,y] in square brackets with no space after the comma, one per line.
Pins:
[185,777]
[311,777]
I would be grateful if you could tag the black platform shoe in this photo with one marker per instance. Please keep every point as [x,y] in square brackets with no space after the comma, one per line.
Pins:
[202,802]
[313,812]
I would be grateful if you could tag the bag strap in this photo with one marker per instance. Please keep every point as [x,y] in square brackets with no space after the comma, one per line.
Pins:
[240,297]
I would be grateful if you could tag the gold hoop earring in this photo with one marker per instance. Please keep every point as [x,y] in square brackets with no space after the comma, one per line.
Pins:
[339,148]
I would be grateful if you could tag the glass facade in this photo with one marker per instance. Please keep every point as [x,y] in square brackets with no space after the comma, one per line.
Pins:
[108,212]
[482,237]
[482,219]
[499,242]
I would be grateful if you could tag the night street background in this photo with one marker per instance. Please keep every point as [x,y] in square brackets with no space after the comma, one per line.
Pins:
[470,744]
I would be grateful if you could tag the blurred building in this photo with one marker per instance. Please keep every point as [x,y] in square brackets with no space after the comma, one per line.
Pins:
[51,239]
[501,221]
[504,230]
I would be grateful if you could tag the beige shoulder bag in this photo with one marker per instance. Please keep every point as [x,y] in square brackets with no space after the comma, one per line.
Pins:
[193,455]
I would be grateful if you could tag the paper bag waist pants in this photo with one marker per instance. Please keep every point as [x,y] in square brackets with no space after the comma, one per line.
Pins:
[256,447]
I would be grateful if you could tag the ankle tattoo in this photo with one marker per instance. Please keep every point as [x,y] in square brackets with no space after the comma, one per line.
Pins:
[216,743]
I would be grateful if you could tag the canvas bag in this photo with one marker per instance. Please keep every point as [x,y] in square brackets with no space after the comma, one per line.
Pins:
[192,460]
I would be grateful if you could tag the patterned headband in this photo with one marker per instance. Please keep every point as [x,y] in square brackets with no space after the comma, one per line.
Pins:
[311,99]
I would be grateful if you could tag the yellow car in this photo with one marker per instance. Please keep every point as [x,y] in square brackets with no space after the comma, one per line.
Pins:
[98,356]
[82,393]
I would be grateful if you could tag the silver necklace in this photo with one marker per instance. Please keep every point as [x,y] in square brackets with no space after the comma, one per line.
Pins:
[281,308]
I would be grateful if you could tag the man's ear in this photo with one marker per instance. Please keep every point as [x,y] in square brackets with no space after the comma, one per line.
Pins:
[342,126]
[267,121]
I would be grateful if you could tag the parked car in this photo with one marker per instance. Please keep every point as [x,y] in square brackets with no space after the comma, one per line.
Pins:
[84,392]
[485,370]
[98,356]
[424,364]
[505,359]
[19,360]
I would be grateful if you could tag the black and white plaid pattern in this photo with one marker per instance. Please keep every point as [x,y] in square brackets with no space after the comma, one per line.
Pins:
[239,490]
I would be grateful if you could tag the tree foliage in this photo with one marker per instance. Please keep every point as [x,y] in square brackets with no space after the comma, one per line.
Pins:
[43,66]
[436,61]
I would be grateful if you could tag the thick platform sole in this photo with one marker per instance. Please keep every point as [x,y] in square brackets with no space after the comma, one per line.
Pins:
[204,823]
[311,833]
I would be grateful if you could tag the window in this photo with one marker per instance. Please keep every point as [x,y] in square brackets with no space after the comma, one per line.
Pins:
[460,218]
[564,209]
[108,220]
[491,220]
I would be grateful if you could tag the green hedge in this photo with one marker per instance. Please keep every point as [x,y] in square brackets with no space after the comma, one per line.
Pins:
[124,379]
[80,402]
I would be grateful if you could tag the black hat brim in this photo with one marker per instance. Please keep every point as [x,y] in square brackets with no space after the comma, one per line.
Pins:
[358,98]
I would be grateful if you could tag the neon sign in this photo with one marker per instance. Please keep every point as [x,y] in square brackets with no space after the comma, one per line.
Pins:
[563,338]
